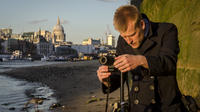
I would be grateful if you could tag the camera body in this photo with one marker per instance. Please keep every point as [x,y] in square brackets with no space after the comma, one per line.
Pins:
[108,61]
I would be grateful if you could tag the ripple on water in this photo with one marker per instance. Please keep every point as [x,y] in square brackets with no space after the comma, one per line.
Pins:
[14,94]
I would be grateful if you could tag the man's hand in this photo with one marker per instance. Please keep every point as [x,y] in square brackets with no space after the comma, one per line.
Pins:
[103,73]
[128,62]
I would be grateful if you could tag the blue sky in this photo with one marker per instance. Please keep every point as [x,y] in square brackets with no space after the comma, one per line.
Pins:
[80,18]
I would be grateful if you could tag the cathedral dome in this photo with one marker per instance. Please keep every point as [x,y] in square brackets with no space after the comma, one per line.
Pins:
[58,27]
[58,34]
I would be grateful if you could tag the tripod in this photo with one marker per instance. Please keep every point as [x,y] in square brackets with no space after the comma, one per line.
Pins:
[123,104]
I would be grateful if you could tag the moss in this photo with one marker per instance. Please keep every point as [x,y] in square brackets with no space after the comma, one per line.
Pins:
[186,15]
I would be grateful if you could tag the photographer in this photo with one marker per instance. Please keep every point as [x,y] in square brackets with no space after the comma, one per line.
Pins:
[147,56]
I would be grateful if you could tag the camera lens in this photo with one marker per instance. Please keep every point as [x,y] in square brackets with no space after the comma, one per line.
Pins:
[106,60]
[103,60]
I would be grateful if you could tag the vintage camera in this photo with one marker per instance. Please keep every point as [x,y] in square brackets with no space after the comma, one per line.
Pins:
[108,61]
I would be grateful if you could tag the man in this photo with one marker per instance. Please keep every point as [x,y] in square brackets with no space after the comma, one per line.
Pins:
[147,56]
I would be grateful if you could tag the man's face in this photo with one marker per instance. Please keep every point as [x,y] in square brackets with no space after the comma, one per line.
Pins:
[134,35]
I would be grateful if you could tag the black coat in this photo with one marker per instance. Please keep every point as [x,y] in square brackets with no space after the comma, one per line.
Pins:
[154,89]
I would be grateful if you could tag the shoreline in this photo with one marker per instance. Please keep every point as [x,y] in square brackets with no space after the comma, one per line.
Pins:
[75,83]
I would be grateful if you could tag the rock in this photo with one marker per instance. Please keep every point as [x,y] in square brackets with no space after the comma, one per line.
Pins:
[5,104]
[12,108]
[94,99]
[55,105]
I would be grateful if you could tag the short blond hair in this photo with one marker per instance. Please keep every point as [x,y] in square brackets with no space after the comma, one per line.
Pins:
[123,15]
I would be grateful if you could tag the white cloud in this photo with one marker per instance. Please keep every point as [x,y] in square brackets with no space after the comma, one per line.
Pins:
[38,21]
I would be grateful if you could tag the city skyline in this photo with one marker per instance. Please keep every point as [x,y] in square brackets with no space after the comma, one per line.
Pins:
[80,19]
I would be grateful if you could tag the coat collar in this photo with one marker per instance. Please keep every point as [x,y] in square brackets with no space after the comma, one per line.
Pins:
[146,45]
[148,42]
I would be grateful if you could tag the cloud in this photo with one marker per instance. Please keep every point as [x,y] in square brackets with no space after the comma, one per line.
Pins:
[108,0]
[38,21]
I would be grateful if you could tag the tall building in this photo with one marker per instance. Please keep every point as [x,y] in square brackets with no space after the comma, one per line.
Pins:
[58,35]
[111,40]
[29,36]
[44,48]
[11,45]
[6,31]
[91,41]
[46,34]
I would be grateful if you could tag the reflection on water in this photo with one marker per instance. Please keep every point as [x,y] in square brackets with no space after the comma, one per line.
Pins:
[14,94]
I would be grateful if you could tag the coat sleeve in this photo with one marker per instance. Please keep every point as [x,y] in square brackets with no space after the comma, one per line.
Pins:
[165,62]
[114,83]
[115,77]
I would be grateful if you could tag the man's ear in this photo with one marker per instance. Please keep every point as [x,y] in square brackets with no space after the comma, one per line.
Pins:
[142,23]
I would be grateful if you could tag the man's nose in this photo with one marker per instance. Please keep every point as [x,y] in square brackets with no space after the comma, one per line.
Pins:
[129,40]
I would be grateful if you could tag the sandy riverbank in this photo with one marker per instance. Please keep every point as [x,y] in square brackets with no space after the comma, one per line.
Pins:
[75,83]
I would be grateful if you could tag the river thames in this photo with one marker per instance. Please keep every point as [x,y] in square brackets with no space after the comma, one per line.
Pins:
[15,93]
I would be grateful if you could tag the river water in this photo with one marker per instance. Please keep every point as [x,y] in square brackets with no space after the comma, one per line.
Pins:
[14,93]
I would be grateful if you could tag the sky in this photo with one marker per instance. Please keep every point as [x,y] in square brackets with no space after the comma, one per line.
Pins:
[81,19]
